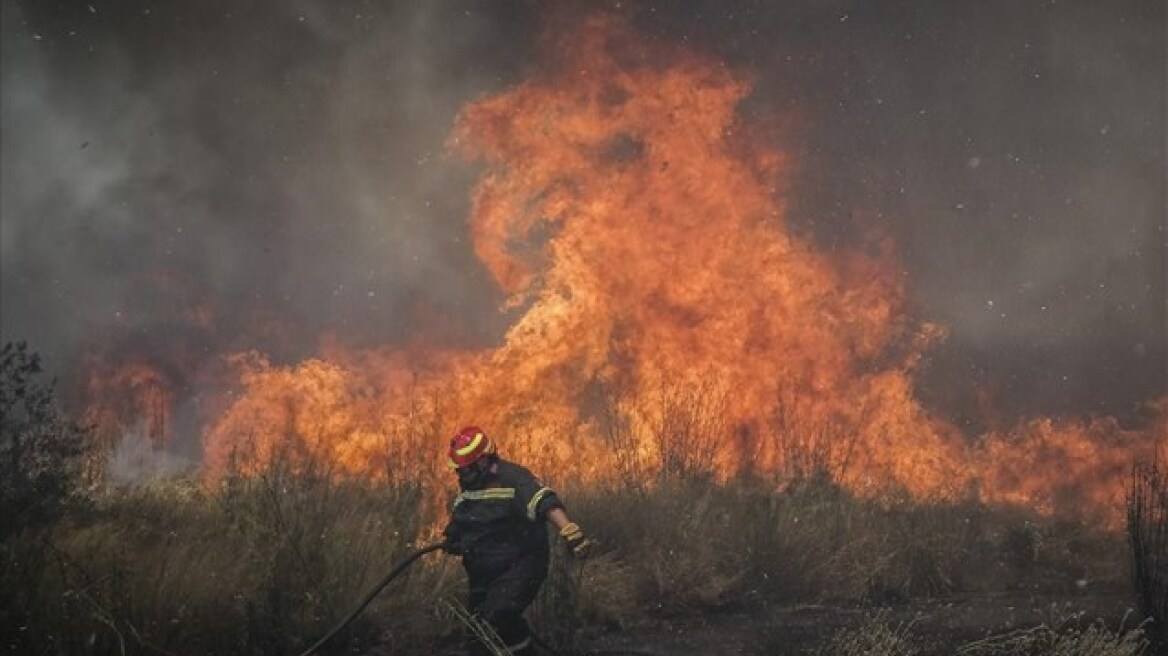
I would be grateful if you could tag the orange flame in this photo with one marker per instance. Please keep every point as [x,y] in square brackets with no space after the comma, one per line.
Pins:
[669,317]
[130,399]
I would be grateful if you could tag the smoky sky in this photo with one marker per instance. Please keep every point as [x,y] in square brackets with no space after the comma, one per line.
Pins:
[278,168]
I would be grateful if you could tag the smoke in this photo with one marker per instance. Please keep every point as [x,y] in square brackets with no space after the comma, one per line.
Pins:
[1016,151]
[134,461]
[278,166]
[211,177]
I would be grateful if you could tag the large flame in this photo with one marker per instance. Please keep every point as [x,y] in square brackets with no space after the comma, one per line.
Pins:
[667,315]
[128,399]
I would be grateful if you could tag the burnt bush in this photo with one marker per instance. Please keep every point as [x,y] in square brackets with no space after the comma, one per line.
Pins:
[1147,529]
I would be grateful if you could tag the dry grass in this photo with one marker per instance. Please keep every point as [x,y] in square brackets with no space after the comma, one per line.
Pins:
[1061,635]
[259,566]
[686,544]
[267,564]
[875,637]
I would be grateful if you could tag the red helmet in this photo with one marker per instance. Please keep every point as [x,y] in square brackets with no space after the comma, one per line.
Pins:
[468,445]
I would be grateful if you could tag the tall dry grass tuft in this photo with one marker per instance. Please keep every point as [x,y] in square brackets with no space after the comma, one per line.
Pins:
[1062,635]
[556,615]
[675,433]
[1147,528]
[686,545]
[675,536]
[263,564]
[876,636]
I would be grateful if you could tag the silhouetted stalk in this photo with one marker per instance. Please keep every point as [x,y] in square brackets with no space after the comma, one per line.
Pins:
[1147,527]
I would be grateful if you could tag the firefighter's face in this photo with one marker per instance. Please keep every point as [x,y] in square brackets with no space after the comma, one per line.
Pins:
[475,475]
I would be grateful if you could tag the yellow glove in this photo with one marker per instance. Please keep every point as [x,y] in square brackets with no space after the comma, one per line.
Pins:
[577,543]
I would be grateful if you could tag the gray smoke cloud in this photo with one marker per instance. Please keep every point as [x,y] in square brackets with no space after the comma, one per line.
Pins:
[282,164]
[282,156]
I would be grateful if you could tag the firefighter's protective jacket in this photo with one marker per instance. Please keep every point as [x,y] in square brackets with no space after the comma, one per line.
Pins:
[498,525]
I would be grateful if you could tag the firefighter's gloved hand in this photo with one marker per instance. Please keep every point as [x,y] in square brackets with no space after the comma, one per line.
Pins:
[579,545]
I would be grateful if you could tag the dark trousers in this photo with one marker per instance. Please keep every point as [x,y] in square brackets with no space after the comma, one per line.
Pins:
[499,593]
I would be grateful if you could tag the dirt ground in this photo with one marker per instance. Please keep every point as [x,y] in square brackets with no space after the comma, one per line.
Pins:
[941,624]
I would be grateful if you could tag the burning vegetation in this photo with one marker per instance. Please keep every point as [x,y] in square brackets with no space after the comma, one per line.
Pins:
[662,307]
[734,407]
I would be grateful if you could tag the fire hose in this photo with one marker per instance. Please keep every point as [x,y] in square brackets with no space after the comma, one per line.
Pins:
[401,567]
[393,573]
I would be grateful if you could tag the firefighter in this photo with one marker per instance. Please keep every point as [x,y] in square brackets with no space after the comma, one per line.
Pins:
[497,525]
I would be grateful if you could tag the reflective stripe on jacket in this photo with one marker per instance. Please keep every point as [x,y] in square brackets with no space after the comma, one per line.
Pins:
[498,524]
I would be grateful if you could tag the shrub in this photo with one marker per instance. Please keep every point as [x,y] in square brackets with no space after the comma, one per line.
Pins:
[258,565]
[40,465]
[1147,528]
[40,448]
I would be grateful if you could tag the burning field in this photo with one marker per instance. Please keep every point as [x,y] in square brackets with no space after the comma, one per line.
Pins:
[649,307]
[663,311]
